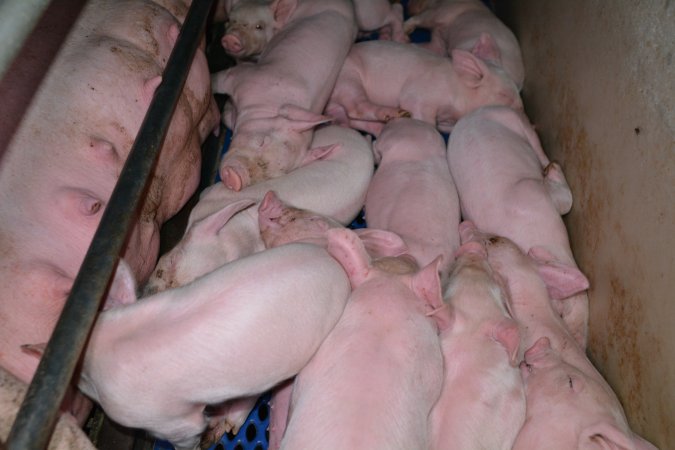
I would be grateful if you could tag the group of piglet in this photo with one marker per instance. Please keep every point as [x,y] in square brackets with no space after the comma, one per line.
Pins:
[455,320]
[62,164]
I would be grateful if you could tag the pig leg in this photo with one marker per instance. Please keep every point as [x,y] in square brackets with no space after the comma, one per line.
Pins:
[558,189]
[279,408]
[229,418]
[392,29]
[350,94]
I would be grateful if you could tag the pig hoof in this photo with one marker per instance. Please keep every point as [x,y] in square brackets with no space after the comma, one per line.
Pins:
[231,179]
[404,113]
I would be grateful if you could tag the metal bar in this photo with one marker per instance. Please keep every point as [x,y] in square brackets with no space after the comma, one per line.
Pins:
[39,411]
[17,19]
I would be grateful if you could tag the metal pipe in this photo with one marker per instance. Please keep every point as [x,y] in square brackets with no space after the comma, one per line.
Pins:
[39,411]
[17,19]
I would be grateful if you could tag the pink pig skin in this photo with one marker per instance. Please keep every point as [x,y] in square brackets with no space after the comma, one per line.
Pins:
[374,379]
[382,80]
[482,405]
[273,125]
[298,291]
[412,192]
[333,186]
[87,113]
[382,16]
[569,404]
[504,187]
[470,25]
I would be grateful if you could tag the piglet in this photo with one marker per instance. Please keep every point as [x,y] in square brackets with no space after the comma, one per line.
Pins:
[250,26]
[374,379]
[508,186]
[569,404]
[382,80]
[276,103]
[412,192]
[223,225]
[482,405]
[156,364]
[470,25]
[281,224]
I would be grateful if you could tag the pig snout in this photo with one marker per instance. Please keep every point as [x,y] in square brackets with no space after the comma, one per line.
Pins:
[232,44]
[235,176]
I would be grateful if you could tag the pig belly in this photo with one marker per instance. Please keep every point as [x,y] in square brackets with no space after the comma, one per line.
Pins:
[368,386]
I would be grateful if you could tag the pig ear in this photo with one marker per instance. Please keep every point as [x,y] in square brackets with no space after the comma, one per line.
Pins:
[507,333]
[302,119]
[426,284]
[211,225]
[319,153]
[123,289]
[470,69]
[346,247]
[486,49]
[380,243]
[605,436]
[282,10]
[562,280]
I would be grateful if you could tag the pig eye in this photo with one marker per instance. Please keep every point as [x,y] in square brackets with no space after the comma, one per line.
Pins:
[259,26]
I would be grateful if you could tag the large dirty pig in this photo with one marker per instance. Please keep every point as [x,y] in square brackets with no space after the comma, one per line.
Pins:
[482,405]
[382,80]
[140,355]
[508,186]
[470,25]
[374,379]
[61,167]
[569,404]
[277,102]
[412,193]
[222,227]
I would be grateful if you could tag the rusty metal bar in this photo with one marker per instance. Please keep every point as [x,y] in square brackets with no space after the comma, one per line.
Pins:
[37,416]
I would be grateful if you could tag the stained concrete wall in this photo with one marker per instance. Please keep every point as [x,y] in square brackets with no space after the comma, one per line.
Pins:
[600,87]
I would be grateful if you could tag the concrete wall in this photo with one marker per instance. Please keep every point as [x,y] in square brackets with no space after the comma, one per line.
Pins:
[600,87]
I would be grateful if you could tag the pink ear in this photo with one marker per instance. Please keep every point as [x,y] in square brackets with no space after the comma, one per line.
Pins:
[211,225]
[469,68]
[319,153]
[606,436]
[282,10]
[122,287]
[486,49]
[507,333]
[380,243]
[426,285]
[562,280]
[346,247]
[271,201]
[302,119]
